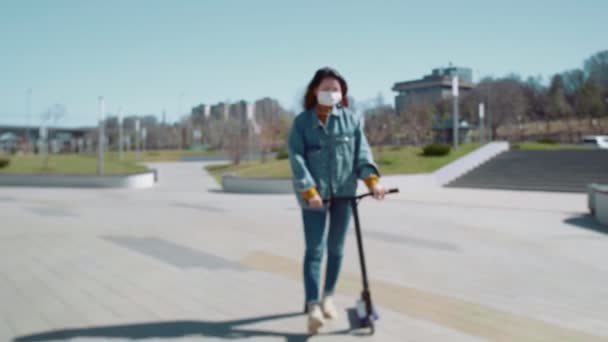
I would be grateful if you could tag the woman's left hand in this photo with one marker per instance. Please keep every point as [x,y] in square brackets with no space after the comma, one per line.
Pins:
[379,191]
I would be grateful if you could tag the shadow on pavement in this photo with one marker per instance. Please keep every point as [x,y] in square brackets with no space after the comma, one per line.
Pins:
[175,329]
[216,191]
[221,191]
[587,221]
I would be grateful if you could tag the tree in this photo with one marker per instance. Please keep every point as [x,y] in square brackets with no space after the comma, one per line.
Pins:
[271,123]
[535,93]
[236,140]
[596,67]
[558,104]
[572,81]
[271,130]
[417,121]
[505,101]
[379,123]
[50,118]
[590,102]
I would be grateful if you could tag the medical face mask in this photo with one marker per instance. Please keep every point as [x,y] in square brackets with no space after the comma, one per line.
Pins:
[329,98]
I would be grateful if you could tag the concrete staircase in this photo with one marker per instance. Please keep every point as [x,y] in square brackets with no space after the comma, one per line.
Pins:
[558,170]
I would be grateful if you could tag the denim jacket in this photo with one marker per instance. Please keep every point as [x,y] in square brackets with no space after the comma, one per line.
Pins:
[331,157]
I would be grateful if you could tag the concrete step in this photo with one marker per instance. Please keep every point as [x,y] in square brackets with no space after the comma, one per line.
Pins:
[568,171]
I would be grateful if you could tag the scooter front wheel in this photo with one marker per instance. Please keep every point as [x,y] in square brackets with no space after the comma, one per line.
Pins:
[372,326]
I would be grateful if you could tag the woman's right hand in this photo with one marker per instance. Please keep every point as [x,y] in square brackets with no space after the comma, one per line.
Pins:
[315,202]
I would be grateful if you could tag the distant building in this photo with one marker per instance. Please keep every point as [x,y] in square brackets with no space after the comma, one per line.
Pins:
[248,117]
[432,88]
[219,111]
[15,138]
[239,111]
[267,109]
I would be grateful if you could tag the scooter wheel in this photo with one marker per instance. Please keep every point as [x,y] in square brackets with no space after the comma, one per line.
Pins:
[372,327]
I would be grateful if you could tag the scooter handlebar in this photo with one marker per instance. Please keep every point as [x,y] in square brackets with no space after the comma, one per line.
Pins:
[350,198]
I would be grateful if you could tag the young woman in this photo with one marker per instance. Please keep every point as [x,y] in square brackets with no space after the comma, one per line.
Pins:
[328,154]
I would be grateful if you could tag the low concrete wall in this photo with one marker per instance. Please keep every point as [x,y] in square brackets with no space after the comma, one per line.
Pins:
[205,157]
[467,163]
[232,183]
[136,181]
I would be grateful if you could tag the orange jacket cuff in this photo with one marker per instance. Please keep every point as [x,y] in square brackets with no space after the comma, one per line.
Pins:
[371,181]
[310,193]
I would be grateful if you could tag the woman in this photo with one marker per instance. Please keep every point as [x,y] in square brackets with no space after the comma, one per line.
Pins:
[328,154]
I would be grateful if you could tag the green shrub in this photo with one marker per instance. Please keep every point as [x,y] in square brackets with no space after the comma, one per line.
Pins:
[435,150]
[282,154]
[547,141]
[4,162]
[385,162]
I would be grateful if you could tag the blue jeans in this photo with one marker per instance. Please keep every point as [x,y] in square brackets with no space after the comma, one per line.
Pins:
[314,233]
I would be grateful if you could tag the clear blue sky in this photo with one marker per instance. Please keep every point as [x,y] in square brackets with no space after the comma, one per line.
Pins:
[141,54]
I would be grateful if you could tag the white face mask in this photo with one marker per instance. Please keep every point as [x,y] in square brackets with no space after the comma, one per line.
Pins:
[329,98]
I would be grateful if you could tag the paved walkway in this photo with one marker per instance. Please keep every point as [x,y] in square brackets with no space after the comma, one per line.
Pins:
[185,262]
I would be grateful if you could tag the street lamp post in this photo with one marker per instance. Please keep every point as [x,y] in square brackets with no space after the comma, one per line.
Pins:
[137,139]
[120,133]
[455,111]
[180,128]
[481,123]
[101,138]
[144,134]
[28,113]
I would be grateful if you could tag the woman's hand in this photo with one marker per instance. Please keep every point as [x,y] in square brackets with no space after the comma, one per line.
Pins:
[316,202]
[378,191]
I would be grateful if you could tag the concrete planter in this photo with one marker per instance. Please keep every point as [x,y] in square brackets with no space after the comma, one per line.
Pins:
[592,190]
[136,181]
[591,198]
[597,200]
[256,185]
[601,207]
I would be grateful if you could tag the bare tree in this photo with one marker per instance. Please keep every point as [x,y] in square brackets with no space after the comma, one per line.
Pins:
[236,140]
[271,123]
[558,105]
[505,100]
[271,132]
[50,118]
[418,121]
[379,123]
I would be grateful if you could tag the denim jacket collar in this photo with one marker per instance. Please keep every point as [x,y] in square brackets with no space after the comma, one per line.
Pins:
[316,123]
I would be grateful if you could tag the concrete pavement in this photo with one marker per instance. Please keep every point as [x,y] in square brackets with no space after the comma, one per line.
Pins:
[185,262]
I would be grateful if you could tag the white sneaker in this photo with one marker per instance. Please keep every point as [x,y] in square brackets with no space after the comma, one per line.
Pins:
[315,318]
[329,308]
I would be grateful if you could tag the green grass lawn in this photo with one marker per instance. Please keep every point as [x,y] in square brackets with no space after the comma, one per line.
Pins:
[68,164]
[160,155]
[409,159]
[86,164]
[541,146]
[402,160]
